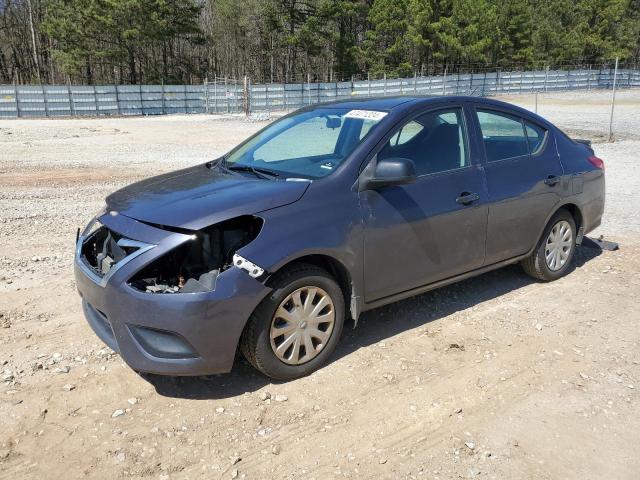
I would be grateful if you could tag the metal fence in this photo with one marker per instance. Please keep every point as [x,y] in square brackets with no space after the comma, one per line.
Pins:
[231,96]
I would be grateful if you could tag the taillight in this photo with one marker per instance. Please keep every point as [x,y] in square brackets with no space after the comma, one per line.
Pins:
[596,162]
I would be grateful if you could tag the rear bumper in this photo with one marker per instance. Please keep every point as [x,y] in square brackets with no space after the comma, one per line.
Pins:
[592,200]
[172,334]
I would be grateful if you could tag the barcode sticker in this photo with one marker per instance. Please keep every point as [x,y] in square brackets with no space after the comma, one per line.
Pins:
[366,114]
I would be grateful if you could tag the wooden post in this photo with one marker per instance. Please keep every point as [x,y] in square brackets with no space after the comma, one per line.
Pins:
[186,105]
[95,100]
[245,93]
[444,81]
[72,107]
[141,100]
[266,97]
[117,100]
[215,94]
[226,93]
[284,96]
[206,95]
[44,98]
[546,75]
[368,85]
[15,92]
[484,83]
[162,93]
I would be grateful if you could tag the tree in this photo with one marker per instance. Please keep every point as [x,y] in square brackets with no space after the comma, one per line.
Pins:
[385,47]
[606,29]
[118,34]
[514,44]
[184,41]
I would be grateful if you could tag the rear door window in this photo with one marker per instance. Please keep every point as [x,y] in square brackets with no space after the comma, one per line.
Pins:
[503,135]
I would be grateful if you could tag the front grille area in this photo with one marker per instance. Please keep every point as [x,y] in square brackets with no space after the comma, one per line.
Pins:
[104,248]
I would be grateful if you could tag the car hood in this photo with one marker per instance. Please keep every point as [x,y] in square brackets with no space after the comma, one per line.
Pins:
[197,197]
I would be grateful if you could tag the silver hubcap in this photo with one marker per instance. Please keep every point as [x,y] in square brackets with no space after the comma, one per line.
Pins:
[559,245]
[302,325]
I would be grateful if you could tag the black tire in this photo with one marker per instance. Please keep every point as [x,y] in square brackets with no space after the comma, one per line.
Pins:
[255,343]
[536,264]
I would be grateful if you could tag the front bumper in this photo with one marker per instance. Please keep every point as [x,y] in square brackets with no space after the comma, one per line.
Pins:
[171,334]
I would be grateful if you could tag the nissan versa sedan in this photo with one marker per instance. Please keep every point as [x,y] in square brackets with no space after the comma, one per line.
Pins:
[324,214]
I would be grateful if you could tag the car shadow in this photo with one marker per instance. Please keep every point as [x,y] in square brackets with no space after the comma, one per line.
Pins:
[385,322]
[373,327]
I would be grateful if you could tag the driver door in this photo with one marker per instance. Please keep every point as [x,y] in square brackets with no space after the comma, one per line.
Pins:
[434,228]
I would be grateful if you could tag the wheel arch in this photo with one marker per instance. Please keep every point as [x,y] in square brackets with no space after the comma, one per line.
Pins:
[574,211]
[334,267]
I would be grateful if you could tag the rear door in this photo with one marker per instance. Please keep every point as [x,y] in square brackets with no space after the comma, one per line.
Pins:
[434,228]
[524,180]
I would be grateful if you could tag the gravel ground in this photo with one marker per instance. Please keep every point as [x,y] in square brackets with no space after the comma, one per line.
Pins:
[497,377]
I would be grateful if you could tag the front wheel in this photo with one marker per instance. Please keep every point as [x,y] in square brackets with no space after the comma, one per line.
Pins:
[552,257]
[296,328]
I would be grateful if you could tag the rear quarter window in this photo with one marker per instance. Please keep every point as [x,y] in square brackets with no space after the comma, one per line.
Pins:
[535,136]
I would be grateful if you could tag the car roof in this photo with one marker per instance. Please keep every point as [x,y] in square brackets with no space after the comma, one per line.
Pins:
[404,102]
[389,103]
[371,103]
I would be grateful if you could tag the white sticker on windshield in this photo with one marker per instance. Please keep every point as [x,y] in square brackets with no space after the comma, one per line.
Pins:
[366,114]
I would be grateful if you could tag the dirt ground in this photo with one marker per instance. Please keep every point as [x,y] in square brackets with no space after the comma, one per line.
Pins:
[497,377]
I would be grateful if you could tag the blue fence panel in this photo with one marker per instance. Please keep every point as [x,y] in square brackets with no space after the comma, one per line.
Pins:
[228,96]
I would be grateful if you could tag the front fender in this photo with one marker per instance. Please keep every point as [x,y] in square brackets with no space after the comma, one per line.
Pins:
[321,223]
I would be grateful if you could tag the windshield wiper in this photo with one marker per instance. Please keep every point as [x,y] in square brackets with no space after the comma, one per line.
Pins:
[258,172]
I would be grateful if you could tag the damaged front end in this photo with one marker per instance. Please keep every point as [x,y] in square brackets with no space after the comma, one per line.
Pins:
[191,267]
[195,265]
[102,250]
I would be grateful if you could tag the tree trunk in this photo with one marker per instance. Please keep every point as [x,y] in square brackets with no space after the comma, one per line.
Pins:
[33,41]
[89,71]
[132,66]
[165,69]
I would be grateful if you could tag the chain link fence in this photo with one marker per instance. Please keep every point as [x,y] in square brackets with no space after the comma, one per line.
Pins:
[233,96]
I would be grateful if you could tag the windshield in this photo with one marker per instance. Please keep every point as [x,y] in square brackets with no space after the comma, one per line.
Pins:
[311,144]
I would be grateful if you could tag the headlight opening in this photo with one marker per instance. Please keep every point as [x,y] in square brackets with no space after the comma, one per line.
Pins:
[195,265]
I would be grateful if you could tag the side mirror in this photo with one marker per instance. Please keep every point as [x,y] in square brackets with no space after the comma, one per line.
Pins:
[391,171]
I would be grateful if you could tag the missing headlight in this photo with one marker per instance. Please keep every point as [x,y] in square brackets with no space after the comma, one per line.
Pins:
[195,265]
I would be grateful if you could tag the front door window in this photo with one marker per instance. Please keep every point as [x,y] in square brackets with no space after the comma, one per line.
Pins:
[435,141]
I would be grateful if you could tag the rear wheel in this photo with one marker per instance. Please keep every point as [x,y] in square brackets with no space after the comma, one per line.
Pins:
[552,257]
[296,329]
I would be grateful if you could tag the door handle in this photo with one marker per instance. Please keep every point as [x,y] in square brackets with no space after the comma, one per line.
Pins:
[552,180]
[467,198]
